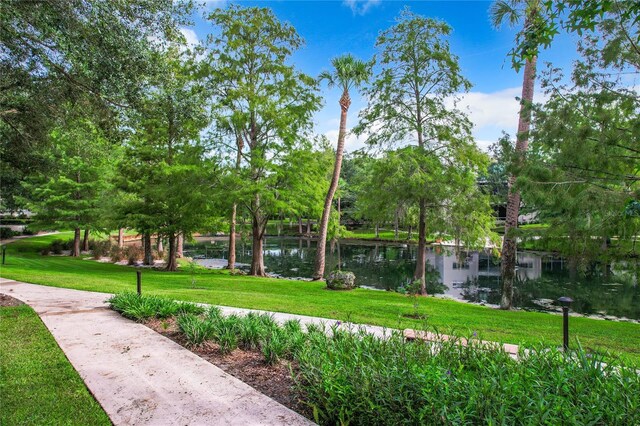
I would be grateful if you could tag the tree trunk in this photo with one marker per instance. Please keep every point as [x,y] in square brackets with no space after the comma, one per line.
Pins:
[396,226]
[75,251]
[180,245]
[421,256]
[509,246]
[308,226]
[172,263]
[85,240]
[159,244]
[257,258]
[410,233]
[121,237]
[148,252]
[300,225]
[345,102]
[377,230]
[231,264]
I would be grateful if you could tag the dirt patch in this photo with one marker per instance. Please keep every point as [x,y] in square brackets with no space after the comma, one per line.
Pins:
[275,381]
[6,300]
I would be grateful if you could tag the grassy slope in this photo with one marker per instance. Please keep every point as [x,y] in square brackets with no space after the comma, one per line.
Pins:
[311,298]
[38,384]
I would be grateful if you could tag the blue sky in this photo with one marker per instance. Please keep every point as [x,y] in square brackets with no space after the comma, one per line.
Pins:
[331,28]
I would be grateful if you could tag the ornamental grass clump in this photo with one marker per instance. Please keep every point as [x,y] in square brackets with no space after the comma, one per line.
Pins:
[141,307]
[356,378]
[195,329]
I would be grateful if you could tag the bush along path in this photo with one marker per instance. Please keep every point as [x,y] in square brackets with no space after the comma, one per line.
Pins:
[357,377]
[138,376]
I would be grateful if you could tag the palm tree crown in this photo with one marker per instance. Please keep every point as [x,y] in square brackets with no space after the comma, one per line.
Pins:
[348,72]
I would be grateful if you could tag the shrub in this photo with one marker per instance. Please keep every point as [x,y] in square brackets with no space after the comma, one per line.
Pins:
[100,248]
[226,333]
[341,280]
[116,254]
[28,231]
[57,246]
[134,254]
[6,233]
[158,255]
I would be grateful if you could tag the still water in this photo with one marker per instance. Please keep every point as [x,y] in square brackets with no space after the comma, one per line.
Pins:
[473,276]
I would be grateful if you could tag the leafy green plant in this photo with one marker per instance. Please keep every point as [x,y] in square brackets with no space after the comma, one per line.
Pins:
[195,329]
[274,346]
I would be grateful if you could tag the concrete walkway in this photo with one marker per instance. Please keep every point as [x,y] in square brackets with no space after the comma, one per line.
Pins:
[138,376]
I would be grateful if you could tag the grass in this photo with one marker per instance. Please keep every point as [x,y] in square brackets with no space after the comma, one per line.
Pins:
[38,385]
[352,377]
[311,298]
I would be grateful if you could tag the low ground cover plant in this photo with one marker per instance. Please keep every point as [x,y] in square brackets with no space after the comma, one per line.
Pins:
[352,377]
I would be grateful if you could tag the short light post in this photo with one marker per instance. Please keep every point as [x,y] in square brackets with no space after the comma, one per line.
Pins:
[565,301]
[4,253]
[139,281]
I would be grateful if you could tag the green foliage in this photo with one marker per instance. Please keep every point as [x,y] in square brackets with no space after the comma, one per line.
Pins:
[254,87]
[143,307]
[356,378]
[195,329]
[63,52]
[582,172]
[360,379]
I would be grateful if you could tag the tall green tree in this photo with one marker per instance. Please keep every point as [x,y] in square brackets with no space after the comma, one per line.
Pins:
[582,175]
[168,179]
[57,52]
[348,73]
[512,12]
[70,195]
[261,100]
[408,101]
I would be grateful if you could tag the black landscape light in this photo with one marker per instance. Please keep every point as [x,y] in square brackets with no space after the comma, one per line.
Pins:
[565,301]
[139,281]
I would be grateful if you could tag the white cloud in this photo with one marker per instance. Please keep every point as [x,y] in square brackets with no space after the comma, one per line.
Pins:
[360,7]
[190,36]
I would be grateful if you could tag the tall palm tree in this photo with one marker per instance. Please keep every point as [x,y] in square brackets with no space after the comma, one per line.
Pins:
[512,12]
[348,73]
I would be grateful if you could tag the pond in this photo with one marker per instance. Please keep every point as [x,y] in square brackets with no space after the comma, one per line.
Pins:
[597,289]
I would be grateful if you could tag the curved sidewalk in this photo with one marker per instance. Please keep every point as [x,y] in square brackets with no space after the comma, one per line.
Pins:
[138,376]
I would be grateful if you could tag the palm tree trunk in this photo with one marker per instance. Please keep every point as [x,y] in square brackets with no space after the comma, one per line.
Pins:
[509,246]
[345,102]
[159,247]
[120,237]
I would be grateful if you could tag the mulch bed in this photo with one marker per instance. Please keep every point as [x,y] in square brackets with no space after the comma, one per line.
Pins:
[9,301]
[274,381]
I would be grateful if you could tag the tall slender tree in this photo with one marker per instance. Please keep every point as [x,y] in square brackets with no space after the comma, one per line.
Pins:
[263,99]
[409,99]
[512,12]
[348,73]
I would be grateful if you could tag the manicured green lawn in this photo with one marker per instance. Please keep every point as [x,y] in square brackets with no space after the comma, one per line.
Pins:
[38,385]
[311,298]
